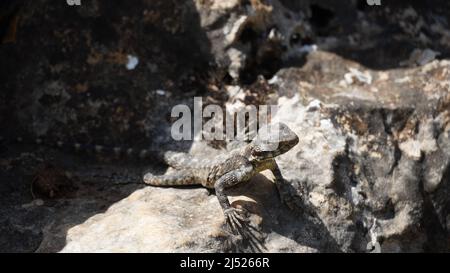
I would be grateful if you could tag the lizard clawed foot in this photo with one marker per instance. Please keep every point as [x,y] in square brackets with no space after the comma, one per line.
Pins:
[235,219]
[242,231]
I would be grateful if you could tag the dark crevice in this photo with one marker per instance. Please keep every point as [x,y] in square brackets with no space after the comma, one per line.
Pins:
[435,225]
[248,35]
[388,211]
[397,158]
[320,16]
[361,5]
[395,120]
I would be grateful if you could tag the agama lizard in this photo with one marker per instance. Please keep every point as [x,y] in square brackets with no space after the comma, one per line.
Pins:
[221,172]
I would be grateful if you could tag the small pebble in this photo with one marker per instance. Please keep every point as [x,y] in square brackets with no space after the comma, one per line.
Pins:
[133,61]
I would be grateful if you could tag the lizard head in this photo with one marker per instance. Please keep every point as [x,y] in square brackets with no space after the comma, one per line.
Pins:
[273,140]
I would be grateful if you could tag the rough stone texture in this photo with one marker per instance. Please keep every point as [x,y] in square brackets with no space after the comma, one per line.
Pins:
[65,75]
[144,222]
[190,220]
[253,38]
[369,100]
[369,168]
[373,159]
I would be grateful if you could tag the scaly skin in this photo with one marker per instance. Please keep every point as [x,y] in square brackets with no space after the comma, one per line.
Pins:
[223,172]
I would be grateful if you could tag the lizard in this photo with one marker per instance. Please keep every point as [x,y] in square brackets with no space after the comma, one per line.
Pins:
[225,171]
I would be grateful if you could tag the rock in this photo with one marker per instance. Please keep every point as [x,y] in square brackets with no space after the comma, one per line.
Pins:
[254,37]
[65,88]
[370,164]
[370,174]
[151,220]
[189,220]
[364,173]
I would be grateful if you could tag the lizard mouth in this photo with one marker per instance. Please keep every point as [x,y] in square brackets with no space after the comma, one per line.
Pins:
[275,148]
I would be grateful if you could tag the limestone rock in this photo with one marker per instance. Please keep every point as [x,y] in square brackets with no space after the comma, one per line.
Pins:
[372,166]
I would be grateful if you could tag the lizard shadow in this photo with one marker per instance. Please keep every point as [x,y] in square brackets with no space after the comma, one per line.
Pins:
[302,226]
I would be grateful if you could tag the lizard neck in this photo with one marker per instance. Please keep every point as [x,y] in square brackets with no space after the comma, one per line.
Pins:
[259,163]
[262,165]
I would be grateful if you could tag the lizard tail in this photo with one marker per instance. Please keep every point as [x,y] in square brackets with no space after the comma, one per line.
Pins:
[178,160]
[179,178]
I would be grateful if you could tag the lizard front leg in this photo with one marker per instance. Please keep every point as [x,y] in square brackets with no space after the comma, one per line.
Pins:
[233,216]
